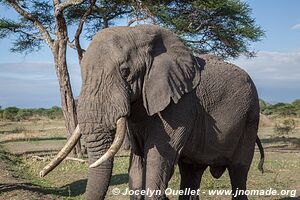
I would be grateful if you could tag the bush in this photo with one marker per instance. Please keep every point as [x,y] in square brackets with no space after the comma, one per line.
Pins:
[1,113]
[10,113]
[285,127]
[23,114]
[281,109]
[17,114]
[296,104]
[286,110]
[55,113]
[262,105]
[267,111]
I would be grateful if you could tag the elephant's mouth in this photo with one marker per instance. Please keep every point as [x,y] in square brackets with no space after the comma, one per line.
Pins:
[121,128]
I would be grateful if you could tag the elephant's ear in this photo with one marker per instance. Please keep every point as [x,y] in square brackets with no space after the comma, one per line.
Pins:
[173,72]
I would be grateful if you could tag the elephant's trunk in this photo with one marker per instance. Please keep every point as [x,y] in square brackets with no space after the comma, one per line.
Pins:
[98,179]
[101,150]
[117,143]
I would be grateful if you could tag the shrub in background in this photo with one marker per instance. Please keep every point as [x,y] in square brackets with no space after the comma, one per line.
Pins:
[10,113]
[285,126]
[17,114]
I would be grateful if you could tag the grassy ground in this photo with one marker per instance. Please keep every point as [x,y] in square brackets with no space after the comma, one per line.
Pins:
[21,141]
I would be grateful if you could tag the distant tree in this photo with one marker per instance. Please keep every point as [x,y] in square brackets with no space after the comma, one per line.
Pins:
[262,105]
[1,113]
[288,110]
[10,112]
[54,112]
[296,104]
[284,109]
[223,27]
[280,109]
[23,114]
[285,126]
[17,114]
[55,108]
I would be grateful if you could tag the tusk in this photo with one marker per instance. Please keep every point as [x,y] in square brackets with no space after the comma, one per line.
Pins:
[63,152]
[117,143]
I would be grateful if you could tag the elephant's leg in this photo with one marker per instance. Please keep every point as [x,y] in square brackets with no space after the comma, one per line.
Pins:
[190,178]
[238,177]
[159,170]
[136,174]
[165,136]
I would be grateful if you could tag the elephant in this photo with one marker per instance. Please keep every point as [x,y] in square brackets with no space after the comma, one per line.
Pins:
[196,111]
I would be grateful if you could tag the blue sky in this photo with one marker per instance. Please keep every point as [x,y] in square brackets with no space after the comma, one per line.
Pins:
[30,80]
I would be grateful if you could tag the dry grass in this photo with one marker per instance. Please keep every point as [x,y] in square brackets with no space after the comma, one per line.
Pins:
[31,130]
[68,181]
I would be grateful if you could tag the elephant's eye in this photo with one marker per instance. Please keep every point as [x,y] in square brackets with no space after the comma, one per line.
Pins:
[125,72]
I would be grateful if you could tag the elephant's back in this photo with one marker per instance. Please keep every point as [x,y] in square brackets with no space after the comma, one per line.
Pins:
[223,82]
[226,96]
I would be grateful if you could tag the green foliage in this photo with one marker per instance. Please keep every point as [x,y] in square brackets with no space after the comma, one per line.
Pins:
[8,26]
[10,112]
[280,109]
[18,114]
[296,104]
[285,127]
[222,27]
[27,38]
[262,105]
[104,14]
[1,114]
[23,114]
[54,112]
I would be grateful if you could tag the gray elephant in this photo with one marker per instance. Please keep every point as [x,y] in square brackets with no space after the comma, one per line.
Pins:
[177,108]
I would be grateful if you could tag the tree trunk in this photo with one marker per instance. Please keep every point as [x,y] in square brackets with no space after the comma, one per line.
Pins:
[67,100]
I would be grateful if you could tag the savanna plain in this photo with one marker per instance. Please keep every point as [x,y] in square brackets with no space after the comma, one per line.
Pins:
[27,145]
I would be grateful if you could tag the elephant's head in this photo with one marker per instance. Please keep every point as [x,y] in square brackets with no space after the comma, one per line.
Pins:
[120,66]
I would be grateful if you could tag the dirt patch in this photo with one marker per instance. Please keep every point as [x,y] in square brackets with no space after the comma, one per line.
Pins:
[13,187]
[40,147]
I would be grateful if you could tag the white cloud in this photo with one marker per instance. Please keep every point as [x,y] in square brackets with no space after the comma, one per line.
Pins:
[33,84]
[272,70]
[296,26]
[27,71]
[283,66]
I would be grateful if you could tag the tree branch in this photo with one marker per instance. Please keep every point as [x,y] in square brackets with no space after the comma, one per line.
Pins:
[73,46]
[45,34]
[14,28]
[44,159]
[70,43]
[140,7]
[80,27]
[61,6]
[130,22]
[8,26]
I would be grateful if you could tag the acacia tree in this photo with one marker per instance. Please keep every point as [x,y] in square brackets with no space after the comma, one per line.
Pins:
[222,27]
[41,22]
